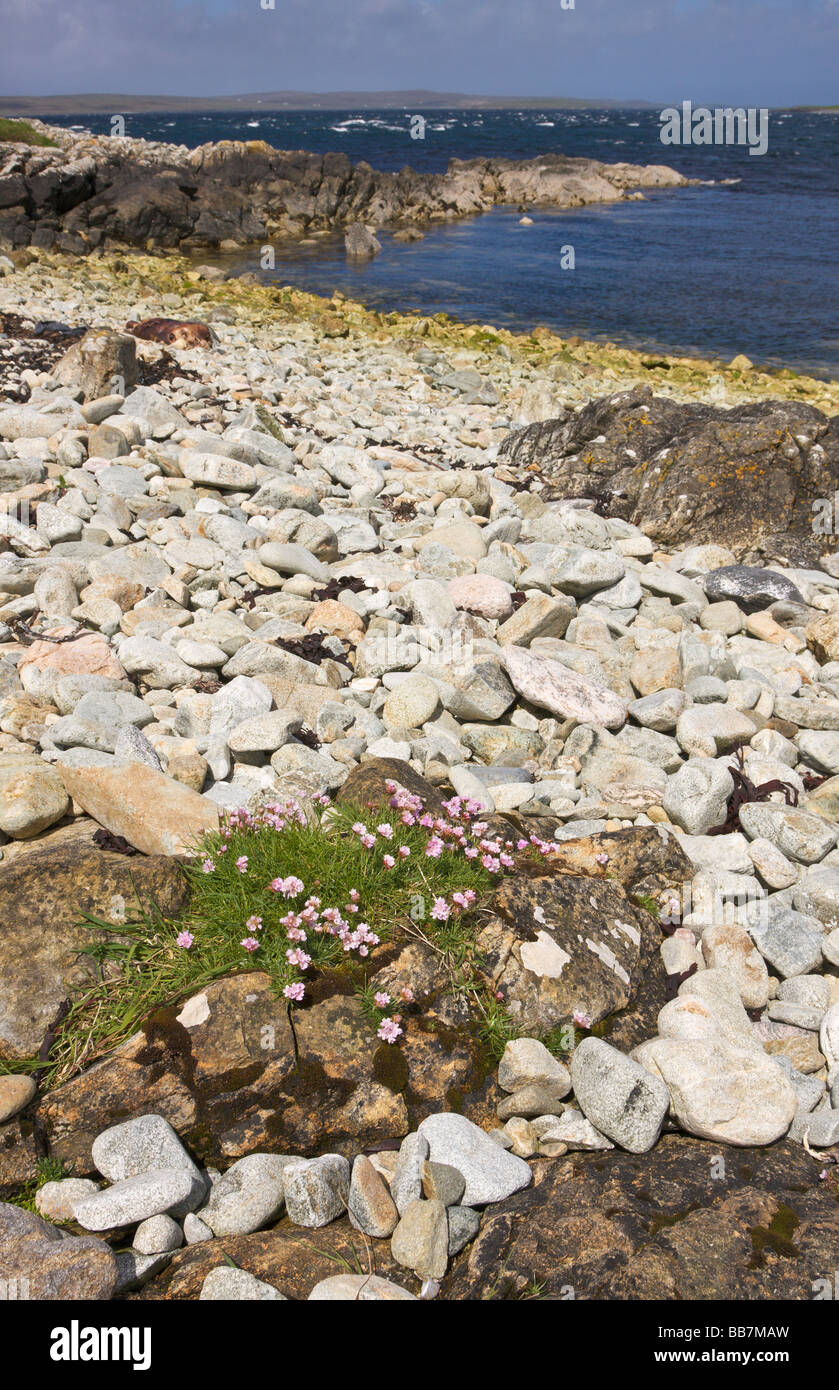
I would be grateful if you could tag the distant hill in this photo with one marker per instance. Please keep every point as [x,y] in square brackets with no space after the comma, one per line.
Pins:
[121,103]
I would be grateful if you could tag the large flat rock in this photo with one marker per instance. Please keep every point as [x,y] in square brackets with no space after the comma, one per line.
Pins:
[150,810]
[232,1079]
[669,1224]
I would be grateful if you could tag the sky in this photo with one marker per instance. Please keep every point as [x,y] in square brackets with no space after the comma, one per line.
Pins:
[741,52]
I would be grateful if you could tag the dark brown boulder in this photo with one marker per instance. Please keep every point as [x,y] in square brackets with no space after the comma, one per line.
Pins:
[233,1078]
[46,888]
[682,471]
[365,785]
[638,1021]
[686,1221]
[443,1060]
[366,788]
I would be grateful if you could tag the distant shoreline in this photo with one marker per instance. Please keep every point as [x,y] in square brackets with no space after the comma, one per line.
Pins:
[107,103]
[122,103]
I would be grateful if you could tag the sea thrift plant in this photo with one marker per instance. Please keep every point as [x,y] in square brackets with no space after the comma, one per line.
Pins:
[289,889]
[294,889]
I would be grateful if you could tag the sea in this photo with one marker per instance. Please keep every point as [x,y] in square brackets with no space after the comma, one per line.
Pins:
[746,262]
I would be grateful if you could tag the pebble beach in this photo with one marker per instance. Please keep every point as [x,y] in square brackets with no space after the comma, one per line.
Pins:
[265,555]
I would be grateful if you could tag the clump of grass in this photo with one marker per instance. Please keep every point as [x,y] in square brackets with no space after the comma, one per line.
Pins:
[48,1170]
[648,903]
[534,1291]
[140,973]
[285,891]
[21,133]
[562,1040]
[498,1027]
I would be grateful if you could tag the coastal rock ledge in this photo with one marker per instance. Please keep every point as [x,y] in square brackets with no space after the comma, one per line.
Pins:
[93,191]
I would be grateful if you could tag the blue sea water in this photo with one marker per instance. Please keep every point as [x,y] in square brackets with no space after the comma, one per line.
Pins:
[746,263]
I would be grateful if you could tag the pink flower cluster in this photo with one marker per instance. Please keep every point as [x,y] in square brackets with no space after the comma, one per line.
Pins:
[390,1024]
[290,887]
[460,830]
[370,839]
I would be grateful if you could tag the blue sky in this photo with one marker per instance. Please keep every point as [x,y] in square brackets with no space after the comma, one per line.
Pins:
[752,52]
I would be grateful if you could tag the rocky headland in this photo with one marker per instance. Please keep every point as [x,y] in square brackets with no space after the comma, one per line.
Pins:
[518,655]
[86,191]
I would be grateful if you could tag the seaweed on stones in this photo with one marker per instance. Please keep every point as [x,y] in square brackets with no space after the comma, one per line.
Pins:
[745,792]
[333,588]
[674,982]
[117,844]
[310,648]
[308,737]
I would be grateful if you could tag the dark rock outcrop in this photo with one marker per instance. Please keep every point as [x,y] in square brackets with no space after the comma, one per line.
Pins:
[233,1076]
[91,191]
[680,1222]
[688,474]
[677,1223]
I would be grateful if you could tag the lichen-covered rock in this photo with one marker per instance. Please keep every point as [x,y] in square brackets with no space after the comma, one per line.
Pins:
[229,1076]
[642,859]
[101,363]
[655,456]
[563,945]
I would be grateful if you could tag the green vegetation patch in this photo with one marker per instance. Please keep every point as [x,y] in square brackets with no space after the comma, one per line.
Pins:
[21,133]
[305,892]
[290,891]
